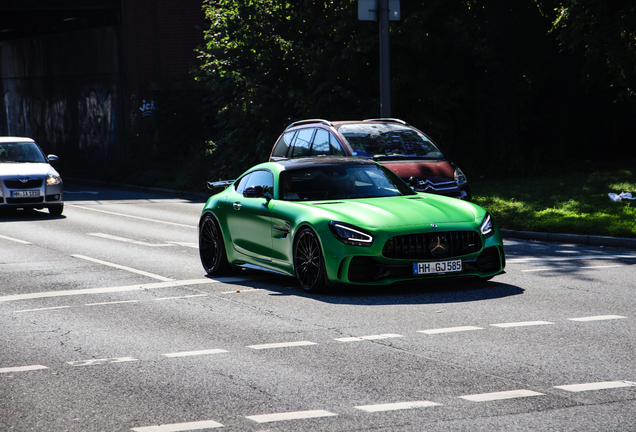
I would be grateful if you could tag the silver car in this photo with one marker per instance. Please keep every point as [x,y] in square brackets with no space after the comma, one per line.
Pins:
[27,180]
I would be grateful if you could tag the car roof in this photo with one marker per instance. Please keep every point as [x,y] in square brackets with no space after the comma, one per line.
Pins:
[342,122]
[10,139]
[321,161]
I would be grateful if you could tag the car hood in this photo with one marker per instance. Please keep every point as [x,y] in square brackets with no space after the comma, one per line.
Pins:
[26,169]
[439,170]
[423,209]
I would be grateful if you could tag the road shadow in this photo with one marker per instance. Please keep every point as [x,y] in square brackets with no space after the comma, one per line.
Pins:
[19,215]
[81,192]
[420,292]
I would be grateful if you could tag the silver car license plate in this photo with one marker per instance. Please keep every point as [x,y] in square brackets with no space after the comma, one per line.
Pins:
[25,194]
[436,267]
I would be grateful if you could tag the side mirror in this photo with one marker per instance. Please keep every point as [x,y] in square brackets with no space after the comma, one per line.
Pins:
[53,158]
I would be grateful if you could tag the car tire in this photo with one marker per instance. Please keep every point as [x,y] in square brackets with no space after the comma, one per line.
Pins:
[212,247]
[56,210]
[309,264]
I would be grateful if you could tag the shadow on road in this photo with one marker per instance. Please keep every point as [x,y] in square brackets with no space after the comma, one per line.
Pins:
[424,292]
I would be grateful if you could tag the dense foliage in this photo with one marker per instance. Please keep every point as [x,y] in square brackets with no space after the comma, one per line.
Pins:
[501,86]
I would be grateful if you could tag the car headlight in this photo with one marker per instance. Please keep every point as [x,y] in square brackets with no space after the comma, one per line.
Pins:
[53,180]
[460,177]
[488,226]
[350,235]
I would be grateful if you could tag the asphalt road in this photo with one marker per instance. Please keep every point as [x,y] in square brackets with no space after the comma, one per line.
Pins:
[109,323]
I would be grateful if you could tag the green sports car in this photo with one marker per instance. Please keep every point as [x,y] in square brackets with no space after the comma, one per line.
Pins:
[336,220]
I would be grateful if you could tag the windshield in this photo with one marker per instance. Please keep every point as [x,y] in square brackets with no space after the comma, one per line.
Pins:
[21,152]
[341,182]
[387,140]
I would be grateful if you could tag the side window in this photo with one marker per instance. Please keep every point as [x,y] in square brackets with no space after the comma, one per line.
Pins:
[240,186]
[261,178]
[336,148]
[283,144]
[301,145]
[321,143]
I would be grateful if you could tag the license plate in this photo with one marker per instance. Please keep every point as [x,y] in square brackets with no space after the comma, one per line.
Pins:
[436,267]
[25,194]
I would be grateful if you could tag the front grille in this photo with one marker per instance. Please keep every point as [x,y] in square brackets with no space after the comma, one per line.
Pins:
[433,245]
[29,184]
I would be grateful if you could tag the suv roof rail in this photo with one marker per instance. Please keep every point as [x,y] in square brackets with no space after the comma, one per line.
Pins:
[393,120]
[309,121]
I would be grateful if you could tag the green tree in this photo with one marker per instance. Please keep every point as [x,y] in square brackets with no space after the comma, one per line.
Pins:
[605,31]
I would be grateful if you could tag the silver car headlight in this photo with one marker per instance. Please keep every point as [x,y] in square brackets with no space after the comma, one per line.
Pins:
[53,179]
[460,177]
[350,234]
[488,226]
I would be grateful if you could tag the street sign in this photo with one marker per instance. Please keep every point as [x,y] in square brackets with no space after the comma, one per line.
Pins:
[368,10]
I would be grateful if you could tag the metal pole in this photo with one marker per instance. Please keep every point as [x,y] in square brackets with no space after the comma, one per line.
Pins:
[385,64]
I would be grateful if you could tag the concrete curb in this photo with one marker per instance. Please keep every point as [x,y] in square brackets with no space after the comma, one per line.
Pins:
[591,240]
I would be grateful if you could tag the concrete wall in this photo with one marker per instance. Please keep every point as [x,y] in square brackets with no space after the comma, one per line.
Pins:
[63,90]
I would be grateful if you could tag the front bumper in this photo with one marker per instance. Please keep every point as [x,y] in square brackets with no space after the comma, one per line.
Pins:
[35,195]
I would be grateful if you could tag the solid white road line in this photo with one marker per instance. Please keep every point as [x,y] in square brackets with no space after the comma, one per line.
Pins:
[513,394]
[127,240]
[21,368]
[450,330]
[597,318]
[371,337]
[195,353]
[15,240]
[521,324]
[179,427]
[266,418]
[138,287]
[132,217]
[281,345]
[121,267]
[596,386]
[397,406]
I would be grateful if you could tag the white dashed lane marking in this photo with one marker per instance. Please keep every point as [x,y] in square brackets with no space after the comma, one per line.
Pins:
[297,415]
[596,386]
[512,394]
[397,406]
[21,368]
[597,318]
[92,362]
[179,427]
[521,324]
[42,309]
[281,345]
[15,240]
[370,337]
[450,330]
[196,353]
[127,240]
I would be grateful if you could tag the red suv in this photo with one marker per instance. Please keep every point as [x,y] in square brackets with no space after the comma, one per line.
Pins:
[402,148]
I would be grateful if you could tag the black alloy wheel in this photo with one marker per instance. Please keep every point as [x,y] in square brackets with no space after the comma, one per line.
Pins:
[309,264]
[211,247]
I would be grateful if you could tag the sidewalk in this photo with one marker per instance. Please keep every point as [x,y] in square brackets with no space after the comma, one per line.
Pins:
[591,240]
